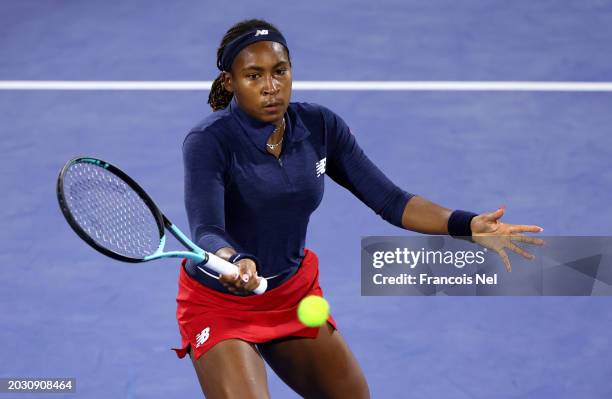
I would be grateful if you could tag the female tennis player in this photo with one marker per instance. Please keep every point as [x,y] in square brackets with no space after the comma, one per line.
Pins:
[254,172]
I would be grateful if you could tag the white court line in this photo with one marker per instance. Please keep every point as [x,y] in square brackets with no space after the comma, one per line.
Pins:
[401,85]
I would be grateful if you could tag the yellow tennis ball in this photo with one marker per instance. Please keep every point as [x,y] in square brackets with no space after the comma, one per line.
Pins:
[313,311]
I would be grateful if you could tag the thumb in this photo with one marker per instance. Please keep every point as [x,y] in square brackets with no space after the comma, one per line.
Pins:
[495,215]
[244,272]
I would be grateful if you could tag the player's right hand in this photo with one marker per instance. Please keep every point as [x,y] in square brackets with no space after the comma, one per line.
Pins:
[243,282]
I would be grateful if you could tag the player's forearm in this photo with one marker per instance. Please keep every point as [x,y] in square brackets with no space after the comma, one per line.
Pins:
[423,216]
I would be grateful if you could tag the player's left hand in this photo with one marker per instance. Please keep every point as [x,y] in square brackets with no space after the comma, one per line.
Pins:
[488,231]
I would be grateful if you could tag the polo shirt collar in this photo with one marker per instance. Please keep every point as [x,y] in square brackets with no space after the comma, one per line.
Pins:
[259,131]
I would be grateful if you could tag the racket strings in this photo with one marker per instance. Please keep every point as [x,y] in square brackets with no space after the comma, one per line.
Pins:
[110,211]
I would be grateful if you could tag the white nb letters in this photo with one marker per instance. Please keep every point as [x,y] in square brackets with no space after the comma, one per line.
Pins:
[202,337]
[261,32]
[320,166]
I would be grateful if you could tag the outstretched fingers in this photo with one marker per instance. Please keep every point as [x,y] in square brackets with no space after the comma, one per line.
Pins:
[516,249]
[504,256]
[527,239]
[524,228]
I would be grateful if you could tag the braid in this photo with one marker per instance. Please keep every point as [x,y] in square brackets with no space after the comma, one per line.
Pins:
[219,98]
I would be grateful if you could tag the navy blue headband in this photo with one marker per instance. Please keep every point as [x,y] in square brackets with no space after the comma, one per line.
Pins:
[232,49]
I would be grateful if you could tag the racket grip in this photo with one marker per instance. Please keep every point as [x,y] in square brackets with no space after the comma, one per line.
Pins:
[262,287]
[224,267]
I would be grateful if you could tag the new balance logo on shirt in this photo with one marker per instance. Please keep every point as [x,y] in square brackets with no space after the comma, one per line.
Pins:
[320,166]
[261,32]
[202,337]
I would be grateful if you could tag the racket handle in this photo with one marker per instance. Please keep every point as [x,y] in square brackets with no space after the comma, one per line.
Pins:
[224,267]
[262,287]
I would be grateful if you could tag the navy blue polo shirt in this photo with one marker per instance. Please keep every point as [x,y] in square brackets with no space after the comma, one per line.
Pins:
[239,195]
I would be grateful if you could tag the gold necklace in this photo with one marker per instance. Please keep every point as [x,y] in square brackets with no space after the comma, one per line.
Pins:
[273,146]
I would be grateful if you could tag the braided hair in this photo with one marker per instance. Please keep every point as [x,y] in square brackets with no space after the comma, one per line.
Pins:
[219,98]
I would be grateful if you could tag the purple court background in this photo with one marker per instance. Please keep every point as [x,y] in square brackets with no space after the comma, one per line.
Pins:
[68,311]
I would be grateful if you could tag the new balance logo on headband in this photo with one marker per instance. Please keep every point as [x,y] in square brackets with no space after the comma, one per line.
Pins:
[261,32]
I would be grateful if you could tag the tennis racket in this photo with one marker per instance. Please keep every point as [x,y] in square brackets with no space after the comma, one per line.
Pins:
[114,215]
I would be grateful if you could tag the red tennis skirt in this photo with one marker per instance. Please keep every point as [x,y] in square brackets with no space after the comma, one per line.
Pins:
[206,316]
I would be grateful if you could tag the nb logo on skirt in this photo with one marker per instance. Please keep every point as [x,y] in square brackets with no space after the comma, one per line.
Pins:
[202,337]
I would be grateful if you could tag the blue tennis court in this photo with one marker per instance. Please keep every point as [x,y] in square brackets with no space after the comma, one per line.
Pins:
[69,311]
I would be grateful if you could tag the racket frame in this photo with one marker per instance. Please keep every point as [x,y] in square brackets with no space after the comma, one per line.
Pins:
[196,254]
[63,203]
